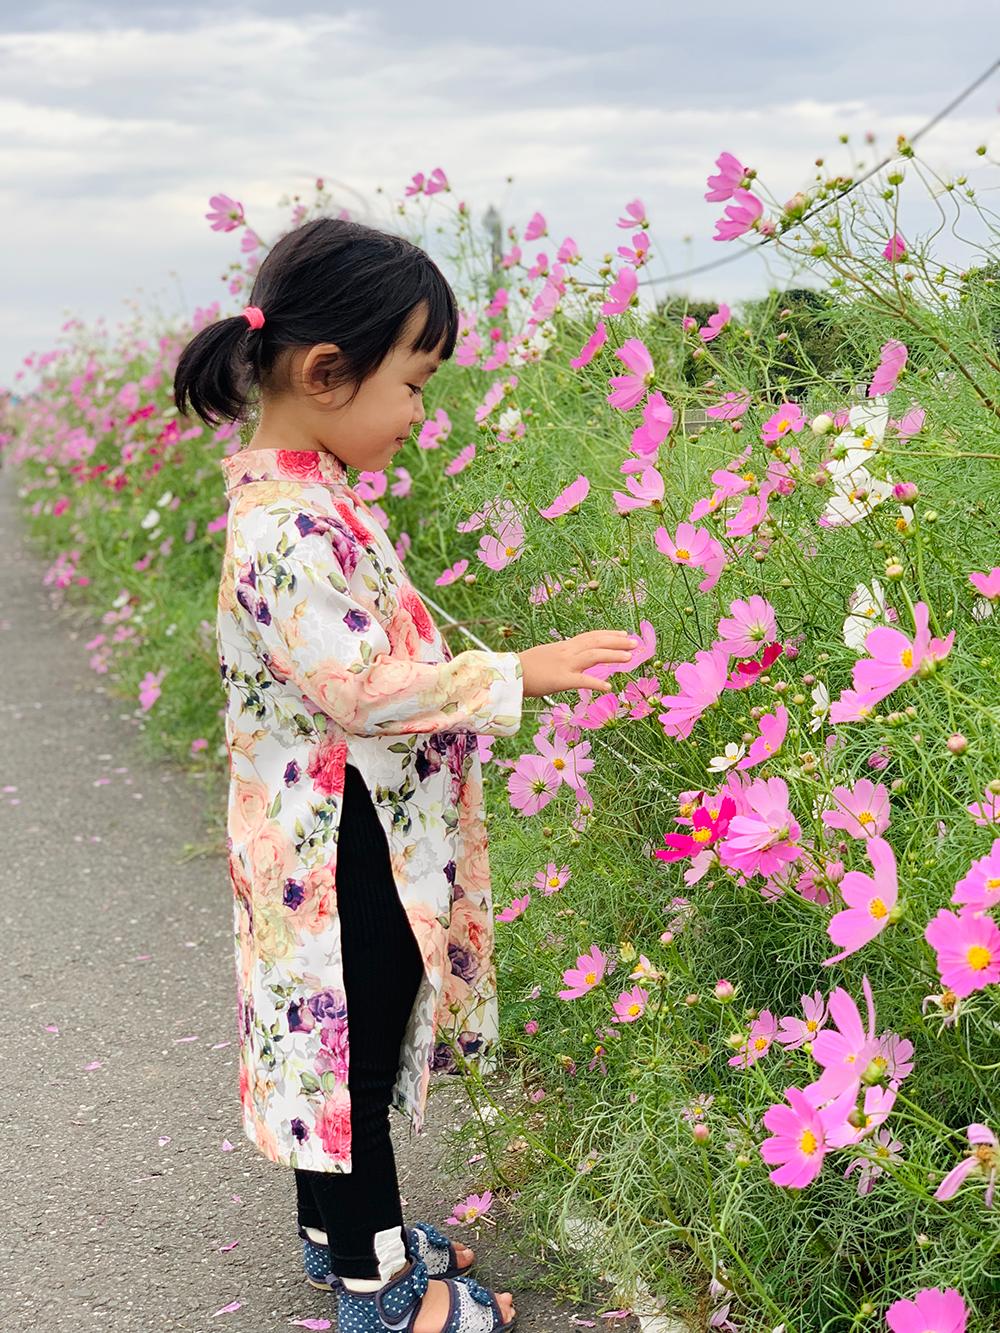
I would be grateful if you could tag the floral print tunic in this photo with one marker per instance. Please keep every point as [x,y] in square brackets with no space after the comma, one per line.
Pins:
[328,656]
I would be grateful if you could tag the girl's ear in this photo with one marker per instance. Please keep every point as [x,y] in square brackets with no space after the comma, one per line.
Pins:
[316,371]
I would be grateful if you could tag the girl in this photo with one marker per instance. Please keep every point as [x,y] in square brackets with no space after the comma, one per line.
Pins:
[356,839]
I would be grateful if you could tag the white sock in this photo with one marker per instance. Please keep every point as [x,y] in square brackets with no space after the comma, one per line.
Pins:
[391,1253]
[316,1236]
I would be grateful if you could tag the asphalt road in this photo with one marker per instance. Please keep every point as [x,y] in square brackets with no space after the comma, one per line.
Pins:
[131,1199]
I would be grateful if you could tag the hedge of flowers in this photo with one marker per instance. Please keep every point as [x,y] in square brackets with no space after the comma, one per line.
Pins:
[747,902]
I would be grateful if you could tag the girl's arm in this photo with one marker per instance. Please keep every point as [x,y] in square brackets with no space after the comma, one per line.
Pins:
[309,630]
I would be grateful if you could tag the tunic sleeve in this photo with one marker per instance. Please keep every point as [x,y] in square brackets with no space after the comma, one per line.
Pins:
[313,633]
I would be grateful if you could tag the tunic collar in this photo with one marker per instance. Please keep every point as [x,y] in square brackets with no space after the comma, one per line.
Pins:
[308,466]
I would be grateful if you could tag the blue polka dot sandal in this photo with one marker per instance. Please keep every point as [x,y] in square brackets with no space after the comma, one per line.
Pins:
[471,1308]
[424,1241]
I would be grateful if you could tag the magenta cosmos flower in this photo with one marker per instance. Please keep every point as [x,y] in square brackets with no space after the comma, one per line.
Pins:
[846,1050]
[862,810]
[894,659]
[895,249]
[869,898]
[762,841]
[979,888]
[967,948]
[552,878]
[931,1311]
[716,323]
[800,1134]
[731,175]
[985,1157]
[709,823]
[741,216]
[571,498]
[894,354]
[588,973]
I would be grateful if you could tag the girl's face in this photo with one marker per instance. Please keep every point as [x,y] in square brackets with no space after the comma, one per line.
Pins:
[368,432]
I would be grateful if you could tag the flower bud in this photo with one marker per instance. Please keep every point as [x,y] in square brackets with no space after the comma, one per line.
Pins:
[893,570]
[667,937]
[875,1072]
[701,1133]
[692,999]
[922,1239]
[857,1119]
[905,492]
[724,990]
[957,743]
[822,424]
[741,1160]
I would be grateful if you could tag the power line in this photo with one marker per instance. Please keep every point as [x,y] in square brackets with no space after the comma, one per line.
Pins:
[766,240]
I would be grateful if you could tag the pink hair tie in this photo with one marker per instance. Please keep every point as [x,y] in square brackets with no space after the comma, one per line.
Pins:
[254,316]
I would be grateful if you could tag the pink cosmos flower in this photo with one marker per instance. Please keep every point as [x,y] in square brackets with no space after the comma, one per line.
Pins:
[869,1169]
[532,783]
[795,1032]
[551,880]
[931,1310]
[894,354]
[536,227]
[723,186]
[967,948]
[468,1209]
[878,1104]
[461,461]
[588,973]
[750,625]
[987,585]
[716,323]
[752,514]
[701,683]
[657,423]
[635,215]
[622,292]
[571,498]
[592,346]
[733,405]
[845,1051]
[895,249]
[762,841]
[870,899]
[773,729]
[693,546]
[630,1005]
[986,811]
[787,420]
[628,390]
[498,552]
[979,887]
[800,1131]
[762,1032]
[741,216]
[894,659]
[862,811]
[645,488]
[709,823]
[571,763]
[985,1158]
[226,214]
[454,572]
[637,694]
[517,908]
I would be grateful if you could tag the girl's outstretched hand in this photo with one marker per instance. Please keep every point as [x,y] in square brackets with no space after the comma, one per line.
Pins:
[550,667]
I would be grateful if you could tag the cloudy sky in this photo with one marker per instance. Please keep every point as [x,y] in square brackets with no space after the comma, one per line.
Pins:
[120,119]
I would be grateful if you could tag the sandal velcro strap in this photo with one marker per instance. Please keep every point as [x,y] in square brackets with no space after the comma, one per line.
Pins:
[437,1238]
[396,1301]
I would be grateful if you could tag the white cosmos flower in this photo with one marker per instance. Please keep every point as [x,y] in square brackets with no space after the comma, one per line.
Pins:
[856,494]
[867,606]
[864,433]
[732,755]
[821,706]
[151,519]
[508,419]
[982,608]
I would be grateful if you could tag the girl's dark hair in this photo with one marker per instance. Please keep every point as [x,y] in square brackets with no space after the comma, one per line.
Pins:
[330,280]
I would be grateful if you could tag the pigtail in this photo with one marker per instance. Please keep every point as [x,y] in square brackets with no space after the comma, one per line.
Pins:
[213,371]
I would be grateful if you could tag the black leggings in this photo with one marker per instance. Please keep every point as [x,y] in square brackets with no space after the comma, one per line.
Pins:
[382,972]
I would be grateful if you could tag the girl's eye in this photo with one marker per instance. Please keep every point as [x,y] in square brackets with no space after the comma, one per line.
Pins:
[415,387]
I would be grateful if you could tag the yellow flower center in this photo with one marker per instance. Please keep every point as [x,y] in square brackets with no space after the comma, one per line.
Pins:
[554,881]
[510,550]
[807,1143]
[783,425]
[993,883]
[749,476]
[870,612]
[978,957]
[701,835]
[864,710]
[681,554]
[590,978]
[866,817]
[634,1009]
[811,1024]
[558,763]
[906,657]
[686,808]
[878,909]
[868,442]
[760,1044]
